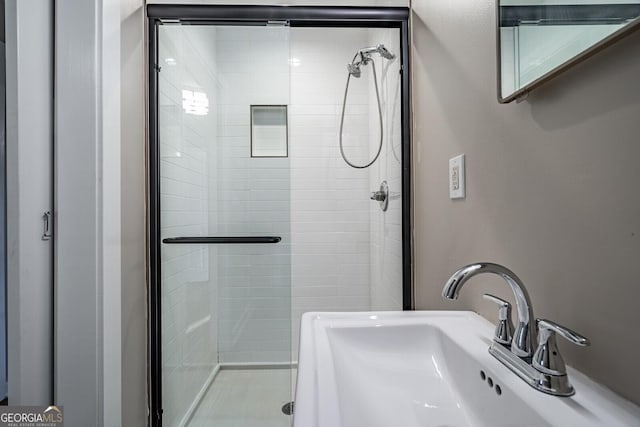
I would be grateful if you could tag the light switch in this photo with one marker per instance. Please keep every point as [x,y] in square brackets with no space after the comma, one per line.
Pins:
[456,177]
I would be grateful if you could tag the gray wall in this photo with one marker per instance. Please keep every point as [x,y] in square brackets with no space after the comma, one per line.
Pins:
[552,185]
[88,278]
[78,302]
[134,308]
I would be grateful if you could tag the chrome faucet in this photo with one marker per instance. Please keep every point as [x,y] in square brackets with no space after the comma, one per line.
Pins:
[543,369]
[523,343]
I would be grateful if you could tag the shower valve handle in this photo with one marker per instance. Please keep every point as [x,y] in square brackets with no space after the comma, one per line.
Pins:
[382,196]
[379,196]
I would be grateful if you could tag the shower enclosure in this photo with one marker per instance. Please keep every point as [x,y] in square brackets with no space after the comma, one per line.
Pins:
[255,215]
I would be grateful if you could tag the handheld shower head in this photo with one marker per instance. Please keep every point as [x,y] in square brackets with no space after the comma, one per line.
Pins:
[354,69]
[363,57]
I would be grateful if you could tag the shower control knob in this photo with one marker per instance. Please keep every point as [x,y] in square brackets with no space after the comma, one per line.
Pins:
[382,196]
[378,196]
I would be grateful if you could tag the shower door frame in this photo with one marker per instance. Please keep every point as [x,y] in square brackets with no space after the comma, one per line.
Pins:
[295,16]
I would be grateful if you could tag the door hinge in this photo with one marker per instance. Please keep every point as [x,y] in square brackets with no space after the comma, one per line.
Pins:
[47,221]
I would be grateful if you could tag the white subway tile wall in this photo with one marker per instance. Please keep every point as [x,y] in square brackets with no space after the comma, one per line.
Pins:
[254,199]
[386,227]
[329,200]
[188,208]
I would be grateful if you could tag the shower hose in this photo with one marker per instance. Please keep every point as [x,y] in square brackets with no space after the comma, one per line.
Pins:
[344,104]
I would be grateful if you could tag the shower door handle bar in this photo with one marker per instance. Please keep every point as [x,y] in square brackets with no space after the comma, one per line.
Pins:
[211,240]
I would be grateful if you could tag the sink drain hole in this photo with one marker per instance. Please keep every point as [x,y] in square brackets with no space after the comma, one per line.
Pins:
[490,382]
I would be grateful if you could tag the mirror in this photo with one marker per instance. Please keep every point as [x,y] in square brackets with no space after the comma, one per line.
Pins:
[537,39]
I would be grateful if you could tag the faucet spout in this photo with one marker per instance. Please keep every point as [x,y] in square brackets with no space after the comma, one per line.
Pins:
[523,344]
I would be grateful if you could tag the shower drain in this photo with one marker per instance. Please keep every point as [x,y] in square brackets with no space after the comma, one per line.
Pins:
[287,408]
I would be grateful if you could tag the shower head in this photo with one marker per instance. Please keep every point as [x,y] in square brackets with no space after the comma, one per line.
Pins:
[354,69]
[363,57]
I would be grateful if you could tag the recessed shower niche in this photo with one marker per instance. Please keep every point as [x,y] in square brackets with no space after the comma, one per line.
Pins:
[269,131]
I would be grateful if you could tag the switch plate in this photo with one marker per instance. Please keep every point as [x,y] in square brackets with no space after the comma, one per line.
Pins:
[456,177]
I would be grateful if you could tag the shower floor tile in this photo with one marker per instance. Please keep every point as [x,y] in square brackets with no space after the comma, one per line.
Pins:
[246,398]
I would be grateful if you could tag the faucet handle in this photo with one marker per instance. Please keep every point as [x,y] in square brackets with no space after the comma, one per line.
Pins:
[504,328]
[547,358]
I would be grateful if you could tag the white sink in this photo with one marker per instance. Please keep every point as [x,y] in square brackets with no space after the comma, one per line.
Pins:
[425,368]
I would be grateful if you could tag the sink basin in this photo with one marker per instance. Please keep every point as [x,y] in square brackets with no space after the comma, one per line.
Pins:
[429,368]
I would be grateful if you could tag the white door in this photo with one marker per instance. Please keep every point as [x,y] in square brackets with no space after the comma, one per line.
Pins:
[29,126]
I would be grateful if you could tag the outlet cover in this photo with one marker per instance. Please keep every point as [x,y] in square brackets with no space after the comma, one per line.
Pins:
[456,177]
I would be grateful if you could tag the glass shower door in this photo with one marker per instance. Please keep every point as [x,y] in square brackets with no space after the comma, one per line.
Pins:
[224,185]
